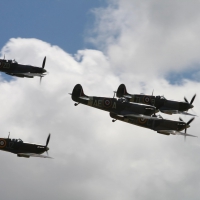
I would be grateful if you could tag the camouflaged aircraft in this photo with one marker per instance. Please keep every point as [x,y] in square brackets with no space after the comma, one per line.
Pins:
[160,102]
[11,67]
[22,149]
[118,106]
[162,126]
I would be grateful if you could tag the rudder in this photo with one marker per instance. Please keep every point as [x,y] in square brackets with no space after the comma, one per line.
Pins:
[78,93]
[121,91]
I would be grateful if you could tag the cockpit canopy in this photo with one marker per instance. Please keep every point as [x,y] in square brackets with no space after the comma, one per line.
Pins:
[160,97]
[17,140]
[9,61]
[12,61]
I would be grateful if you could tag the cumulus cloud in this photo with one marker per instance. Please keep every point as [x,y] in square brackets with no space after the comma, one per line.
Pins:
[149,38]
[95,158]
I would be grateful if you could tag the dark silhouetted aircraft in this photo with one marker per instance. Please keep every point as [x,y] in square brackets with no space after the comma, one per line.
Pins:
[160,102]
[162,126]
[11,67]
[23,149]
[118,106]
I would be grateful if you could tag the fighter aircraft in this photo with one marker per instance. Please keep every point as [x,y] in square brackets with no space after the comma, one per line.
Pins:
[162,126]
[11,67]
[22,149]
[118,106]
[160,102]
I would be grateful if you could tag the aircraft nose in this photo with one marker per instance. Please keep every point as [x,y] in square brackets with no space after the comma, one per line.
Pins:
[47,148]
[191,106]
[44,70]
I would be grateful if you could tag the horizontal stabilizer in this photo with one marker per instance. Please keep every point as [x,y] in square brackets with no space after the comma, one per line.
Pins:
[127,96]
[85,98]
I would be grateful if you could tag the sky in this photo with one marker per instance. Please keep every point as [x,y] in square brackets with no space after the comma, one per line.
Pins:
[147,45]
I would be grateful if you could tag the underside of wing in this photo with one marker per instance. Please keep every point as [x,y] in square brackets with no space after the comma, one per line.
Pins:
[170,112]
[173,132]
[33,74]
[142,116]
[27,155]
[131,114]
[27,74]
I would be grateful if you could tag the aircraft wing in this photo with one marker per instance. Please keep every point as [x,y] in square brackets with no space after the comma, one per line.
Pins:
[141,116]
[33,155]
[131,114]
[173,132]
[32,74]
[170,112]
[26,74]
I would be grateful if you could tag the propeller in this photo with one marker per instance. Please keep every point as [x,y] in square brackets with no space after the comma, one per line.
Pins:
[43,65]
[186,125]
[47,142]
[192,100]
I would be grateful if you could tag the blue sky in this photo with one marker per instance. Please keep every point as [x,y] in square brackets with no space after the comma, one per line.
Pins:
[58,22]
[65,23]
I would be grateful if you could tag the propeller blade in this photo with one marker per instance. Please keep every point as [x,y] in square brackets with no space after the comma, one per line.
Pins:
[40,79]
[44,61]
[186,100]
[185,132]
[193,98]
[190,120]
[47,142]
[180,119]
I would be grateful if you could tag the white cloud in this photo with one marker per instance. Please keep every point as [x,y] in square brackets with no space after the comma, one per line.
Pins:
[149,38]
[95,158]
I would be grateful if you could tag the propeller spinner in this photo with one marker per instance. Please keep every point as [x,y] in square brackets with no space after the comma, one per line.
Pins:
[187,125]
[191,102]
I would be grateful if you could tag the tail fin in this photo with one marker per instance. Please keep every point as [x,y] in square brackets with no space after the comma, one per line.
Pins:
[122,92]
[78,94]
